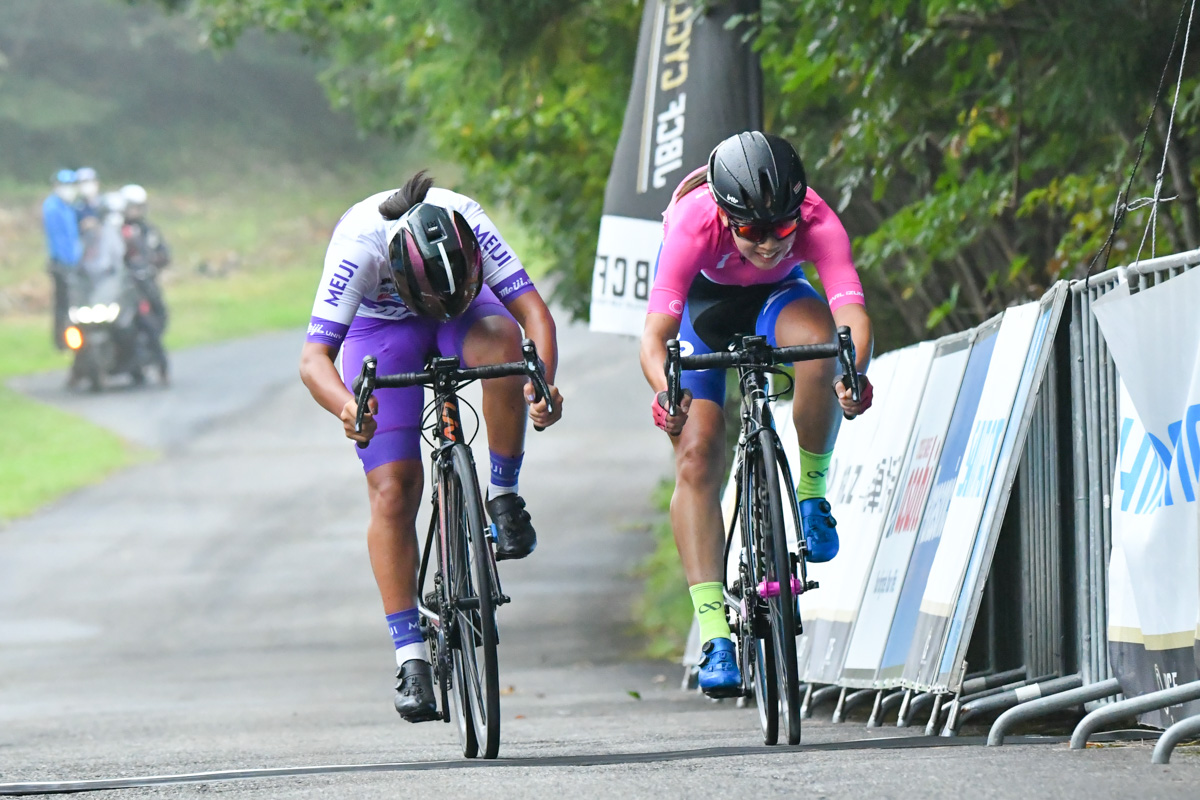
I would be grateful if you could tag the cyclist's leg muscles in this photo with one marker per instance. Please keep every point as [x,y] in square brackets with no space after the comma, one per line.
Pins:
[696,505]
[394,490]
[797,315]
[696,518]
[392,461]
[487,334]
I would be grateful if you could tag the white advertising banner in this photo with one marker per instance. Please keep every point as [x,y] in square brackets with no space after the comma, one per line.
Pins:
[1154,339]
[625,256]
[974,477]
[862,483]
[966,608]
[874,619]
[849,456]
[929,532]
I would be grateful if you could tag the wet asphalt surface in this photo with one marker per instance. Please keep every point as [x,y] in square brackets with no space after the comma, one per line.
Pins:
[212,609]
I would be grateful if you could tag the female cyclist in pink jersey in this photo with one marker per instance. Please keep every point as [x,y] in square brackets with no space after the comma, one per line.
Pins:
[735,236]
[408,274]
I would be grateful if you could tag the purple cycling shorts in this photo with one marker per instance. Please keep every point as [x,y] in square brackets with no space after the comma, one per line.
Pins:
[404,346]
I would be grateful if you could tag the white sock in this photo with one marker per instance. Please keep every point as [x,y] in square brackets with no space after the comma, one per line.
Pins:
[410,651]
[496,491]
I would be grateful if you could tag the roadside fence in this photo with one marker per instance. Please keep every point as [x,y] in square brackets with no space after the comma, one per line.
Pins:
[976,507]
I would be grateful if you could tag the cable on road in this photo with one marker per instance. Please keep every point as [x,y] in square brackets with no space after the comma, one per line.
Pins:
[541,762]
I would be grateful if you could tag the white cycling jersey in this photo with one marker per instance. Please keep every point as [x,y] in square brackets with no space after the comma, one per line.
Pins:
[356,281]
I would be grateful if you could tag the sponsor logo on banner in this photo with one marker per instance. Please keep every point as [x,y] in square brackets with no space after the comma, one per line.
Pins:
[960,521]
[621,280]
[696,82]
[869,466]
[882,585]
[929,533]
[966,606]
[1154,572]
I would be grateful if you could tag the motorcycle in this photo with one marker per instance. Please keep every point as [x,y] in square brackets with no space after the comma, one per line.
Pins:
[114,329]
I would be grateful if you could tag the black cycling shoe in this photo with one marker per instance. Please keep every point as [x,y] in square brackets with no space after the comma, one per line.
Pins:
[414,691]
[515,537]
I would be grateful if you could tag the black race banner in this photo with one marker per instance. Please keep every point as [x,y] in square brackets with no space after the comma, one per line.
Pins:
[695,83]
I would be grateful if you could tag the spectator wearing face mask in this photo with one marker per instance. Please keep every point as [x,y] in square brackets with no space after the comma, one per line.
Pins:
[88,203]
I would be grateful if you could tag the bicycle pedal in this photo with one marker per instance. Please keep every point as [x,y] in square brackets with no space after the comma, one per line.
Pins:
[808,587]
[767,589]
[501,599]
[492,534]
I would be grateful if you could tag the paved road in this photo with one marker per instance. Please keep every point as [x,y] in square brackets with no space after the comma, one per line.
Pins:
[214,610]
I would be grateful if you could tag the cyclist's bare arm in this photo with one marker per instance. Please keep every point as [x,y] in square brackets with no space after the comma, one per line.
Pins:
[658,330]
[535,319]
[325,385]
[855,316]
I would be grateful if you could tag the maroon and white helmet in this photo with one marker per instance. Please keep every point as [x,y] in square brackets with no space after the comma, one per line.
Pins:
[436,262]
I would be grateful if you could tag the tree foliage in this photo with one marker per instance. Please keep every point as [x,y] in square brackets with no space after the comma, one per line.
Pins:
[975,148]
[978,146]
[528,97]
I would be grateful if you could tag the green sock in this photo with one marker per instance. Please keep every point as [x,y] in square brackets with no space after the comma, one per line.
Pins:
[813,470]
[709,602]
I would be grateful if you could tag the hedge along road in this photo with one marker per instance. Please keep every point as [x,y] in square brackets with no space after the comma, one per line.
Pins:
[214,610]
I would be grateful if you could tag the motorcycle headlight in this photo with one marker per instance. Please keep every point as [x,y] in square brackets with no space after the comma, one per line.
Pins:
[113,311]
[84,315]
[73,314]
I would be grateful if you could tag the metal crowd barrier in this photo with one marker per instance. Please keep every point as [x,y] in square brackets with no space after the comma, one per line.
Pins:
[1094,393]
[1030,623]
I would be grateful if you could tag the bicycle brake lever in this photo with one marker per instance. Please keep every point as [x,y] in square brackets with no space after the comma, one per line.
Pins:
[848,359]
[533,368]
[364,387]
[674,371]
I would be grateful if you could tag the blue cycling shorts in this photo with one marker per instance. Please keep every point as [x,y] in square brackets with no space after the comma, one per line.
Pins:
[715,313]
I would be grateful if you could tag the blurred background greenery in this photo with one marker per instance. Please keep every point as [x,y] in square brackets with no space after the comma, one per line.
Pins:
[247,166]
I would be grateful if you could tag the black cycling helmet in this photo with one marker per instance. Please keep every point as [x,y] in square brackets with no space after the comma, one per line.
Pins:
[757,177]
[436,262]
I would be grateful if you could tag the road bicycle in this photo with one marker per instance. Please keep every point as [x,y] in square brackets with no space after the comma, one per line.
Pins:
[458,616]
[761,600]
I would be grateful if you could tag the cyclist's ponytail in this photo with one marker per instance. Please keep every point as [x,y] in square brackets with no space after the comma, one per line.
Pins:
[697,178]
[406,196]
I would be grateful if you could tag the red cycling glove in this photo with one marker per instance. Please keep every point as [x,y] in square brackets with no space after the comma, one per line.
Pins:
[657,404]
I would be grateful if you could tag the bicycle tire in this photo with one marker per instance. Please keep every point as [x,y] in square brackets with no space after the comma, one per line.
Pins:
[449,522]
[478,636]
[766,690]
[756,650]
[781,607]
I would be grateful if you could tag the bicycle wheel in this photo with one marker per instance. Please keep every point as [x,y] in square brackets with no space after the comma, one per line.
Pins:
[781,607]
[474,606]
[448,508]
[754,648]
[766,690]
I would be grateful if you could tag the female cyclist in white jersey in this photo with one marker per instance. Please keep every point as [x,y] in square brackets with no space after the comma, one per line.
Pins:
[408,274]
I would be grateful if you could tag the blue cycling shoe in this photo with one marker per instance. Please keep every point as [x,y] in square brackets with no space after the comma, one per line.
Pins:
[719,673]
[820,529]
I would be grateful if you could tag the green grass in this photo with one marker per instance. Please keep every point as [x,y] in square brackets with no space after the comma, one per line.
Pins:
[663,612]
[48,452]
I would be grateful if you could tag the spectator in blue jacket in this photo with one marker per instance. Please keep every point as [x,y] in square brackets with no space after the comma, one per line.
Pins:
[61,223]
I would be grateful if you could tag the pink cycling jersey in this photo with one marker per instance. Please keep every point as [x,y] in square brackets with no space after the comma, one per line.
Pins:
[696,243]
